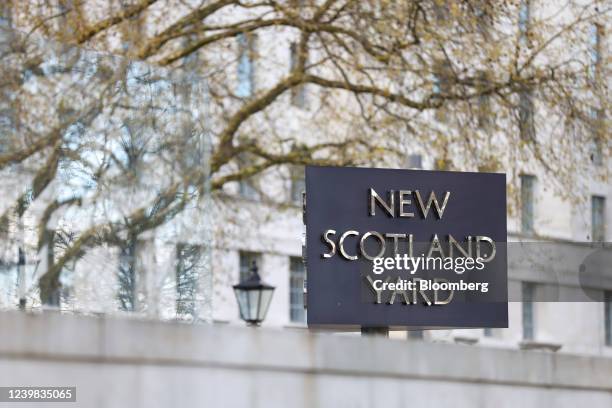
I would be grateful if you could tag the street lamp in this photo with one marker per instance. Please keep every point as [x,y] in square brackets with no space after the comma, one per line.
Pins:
[253,297]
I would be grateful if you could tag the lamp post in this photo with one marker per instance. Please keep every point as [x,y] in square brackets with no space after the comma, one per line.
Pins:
[253,296]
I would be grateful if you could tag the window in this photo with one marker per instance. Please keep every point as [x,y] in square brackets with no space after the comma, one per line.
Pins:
[595,36]
[484,102]
[414,161]
[247,186]
[441,11]
[49,242]
[608,317]
[442,84]
[297,275]
[127,274]
[191,61]
[442,77]
[11,271]
[298,185]
[527,203]
[190,145]
[526,115]
[65,18]
[528,291]
[62,240]
[5,15]
[482,17]
[248,189]
[188,262]
[246,69]
[66,291]
[416,334]
[596,126]
[7,126]
[63,8]
[246,263]
[132,31]
[598,219]
[298,93]
[524,17]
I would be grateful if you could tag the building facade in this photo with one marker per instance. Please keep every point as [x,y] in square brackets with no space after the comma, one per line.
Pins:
[258,219]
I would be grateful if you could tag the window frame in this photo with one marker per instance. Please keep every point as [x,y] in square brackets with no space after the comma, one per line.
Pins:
[528,212]
[598,232]
[190,309]
[298,184]
[297,312]
[298,92]
[248,186]
[596,125]
[528,316]
[526,115]
[524,18]
[245,69]
[595,46]
[484,102]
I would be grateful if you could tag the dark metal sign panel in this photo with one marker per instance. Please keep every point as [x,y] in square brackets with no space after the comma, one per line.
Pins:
[405,248]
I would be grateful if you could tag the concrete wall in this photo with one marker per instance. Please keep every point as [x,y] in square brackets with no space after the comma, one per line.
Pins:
[130,363]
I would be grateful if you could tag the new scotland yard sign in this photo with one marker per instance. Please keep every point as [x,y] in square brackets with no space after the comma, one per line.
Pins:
[405,248]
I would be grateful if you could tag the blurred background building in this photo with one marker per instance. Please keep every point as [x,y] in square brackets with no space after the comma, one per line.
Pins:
[221,215]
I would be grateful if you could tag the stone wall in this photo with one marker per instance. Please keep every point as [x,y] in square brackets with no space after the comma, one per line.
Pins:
[131,363]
